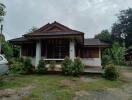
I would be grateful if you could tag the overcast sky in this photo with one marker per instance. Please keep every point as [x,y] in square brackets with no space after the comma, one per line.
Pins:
[88,16]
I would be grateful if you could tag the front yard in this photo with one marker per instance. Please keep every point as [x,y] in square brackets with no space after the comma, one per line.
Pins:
[57,87]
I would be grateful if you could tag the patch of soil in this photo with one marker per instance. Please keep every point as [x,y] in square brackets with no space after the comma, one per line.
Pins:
[7,92]
[101,95]
[88,79]
[67,83]
[14,94]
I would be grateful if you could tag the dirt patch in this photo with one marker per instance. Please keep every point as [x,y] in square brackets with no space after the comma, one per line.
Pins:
[16,94]
[88,79]
[66,83]
[101,95]
[7,92]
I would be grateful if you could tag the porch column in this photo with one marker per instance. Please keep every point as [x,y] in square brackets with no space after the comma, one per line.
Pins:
[20,53]
[38,53]
[72,50]
[100,55]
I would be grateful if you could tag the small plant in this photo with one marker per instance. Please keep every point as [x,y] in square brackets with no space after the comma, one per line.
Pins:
[41,68]
[67,66]
[77,67]
[111,72]
[52,65]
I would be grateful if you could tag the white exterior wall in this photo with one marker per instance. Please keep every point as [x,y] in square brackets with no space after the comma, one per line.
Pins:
[38,53]
[72,50]
[91,61]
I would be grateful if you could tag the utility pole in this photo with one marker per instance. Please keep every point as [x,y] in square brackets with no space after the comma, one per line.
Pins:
[1,30]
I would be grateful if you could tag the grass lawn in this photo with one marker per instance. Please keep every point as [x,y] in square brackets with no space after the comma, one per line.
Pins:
[56,87]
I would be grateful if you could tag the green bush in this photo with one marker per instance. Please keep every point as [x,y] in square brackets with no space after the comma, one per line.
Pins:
[28,68]
[52,65]
[17,67]
[41,68]
[111,72]
[67,66]
[77,67]
[20,65]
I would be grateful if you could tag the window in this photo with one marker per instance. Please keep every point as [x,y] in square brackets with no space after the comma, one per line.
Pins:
[57,51]
[1,58]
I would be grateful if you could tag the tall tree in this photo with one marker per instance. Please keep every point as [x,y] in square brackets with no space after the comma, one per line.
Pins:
[2,14]
[104,36]
[122,29]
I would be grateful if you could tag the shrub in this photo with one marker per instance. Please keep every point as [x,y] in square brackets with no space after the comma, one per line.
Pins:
[111,72]
[41,68]
[77,67]
[20,65]
[27,68]
[67,66]
[13,60]
[52,65]
[17,67]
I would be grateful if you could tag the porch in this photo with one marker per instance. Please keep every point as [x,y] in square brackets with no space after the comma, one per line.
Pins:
[58,49]
[49,50]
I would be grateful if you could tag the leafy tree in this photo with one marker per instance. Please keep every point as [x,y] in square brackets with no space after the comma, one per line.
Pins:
[114,55]
[2,11]
[16,51]
[122,29]
[32,29]
[7,50]
[104,36]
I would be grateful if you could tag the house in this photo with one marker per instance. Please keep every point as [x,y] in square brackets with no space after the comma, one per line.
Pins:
[55,41]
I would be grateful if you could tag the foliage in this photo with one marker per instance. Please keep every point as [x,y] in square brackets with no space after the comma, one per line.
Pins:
[7,50]
[41,68]
[114,54]
[16,51]
[2,11]
[104,36]
[72,68]
[111,72]
[67,66]
[122,29]
[106,59]
[77,67]
[32,29]
[27,68]
[2,38]
[16,67]
[52,65]
[21,66]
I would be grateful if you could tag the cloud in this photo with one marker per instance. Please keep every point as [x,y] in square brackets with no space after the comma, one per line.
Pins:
[89,16]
